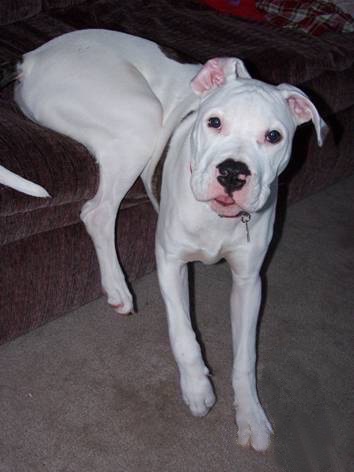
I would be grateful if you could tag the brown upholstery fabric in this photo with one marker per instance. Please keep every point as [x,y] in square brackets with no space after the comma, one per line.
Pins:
[18,10]
[312,168]
[48,4]
[39,276]
[48,216]
[50,273]
[332,91]
[61,165]
[23,36]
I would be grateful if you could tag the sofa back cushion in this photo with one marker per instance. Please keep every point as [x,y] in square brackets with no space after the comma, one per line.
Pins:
[17,10]
[48,4]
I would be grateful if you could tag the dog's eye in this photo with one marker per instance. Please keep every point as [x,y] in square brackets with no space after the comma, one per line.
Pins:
[214,122]
[273,136]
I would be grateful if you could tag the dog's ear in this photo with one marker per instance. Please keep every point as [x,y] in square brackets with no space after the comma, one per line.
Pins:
[304,110]
[216,72]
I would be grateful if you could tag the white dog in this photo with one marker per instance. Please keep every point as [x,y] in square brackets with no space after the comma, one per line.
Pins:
[228,136]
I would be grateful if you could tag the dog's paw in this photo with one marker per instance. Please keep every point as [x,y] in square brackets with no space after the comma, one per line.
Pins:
[123,309]
[198,394]
[120,299]
[254,429]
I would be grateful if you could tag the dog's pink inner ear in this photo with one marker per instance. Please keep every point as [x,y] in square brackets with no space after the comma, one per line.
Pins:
[301,108]
[212,75]
[304,110]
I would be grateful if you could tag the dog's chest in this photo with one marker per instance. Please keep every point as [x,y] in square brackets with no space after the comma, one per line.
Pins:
[207,241]
[201,255]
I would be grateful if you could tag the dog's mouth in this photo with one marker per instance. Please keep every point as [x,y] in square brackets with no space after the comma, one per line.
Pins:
[225,206]
[225,200]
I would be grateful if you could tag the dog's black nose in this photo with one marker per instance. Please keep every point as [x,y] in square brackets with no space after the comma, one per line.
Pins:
[232,175]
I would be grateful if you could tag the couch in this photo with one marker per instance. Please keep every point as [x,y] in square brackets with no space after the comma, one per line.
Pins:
[48,265]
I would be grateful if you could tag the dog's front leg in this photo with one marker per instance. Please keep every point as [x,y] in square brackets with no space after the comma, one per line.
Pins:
[253,425]
[196,387]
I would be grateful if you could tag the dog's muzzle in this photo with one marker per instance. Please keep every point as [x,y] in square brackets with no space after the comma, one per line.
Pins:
[232,175]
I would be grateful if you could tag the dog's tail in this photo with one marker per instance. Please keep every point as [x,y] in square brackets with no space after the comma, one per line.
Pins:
[9,73]
[22,185]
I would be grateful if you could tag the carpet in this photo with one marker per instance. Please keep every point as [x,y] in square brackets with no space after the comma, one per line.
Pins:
[95,392]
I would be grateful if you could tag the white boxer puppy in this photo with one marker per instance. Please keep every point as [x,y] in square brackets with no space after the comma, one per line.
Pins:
[228,137]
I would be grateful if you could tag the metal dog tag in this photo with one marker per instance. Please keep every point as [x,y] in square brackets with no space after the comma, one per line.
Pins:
[245,218]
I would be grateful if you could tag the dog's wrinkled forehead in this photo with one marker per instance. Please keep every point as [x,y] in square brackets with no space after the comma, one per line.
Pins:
[246,99]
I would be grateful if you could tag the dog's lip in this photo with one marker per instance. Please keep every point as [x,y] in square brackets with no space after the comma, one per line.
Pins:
[225,200]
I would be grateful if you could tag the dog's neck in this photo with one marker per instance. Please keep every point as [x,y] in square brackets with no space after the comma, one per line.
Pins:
[156,181]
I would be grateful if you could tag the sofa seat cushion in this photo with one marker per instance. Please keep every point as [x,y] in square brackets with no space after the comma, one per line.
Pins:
[61,165]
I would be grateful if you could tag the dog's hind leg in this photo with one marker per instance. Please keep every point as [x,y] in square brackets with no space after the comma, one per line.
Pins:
[99,216]
[121,162]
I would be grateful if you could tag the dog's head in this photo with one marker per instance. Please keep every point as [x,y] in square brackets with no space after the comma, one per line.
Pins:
[242,136]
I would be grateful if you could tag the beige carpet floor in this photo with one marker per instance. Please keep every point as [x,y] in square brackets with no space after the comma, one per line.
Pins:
[92,392]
